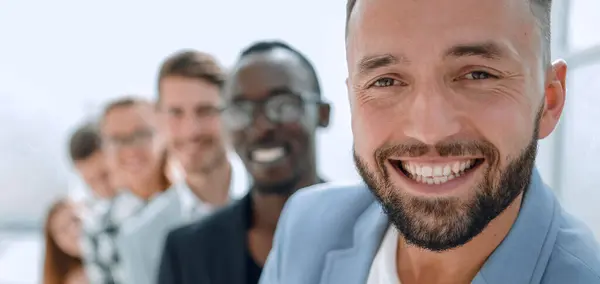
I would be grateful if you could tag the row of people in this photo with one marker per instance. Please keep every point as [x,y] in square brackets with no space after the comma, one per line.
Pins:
[445,128]
[156,166]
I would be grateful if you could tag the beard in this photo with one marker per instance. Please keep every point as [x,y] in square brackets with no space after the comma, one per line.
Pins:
[439,224]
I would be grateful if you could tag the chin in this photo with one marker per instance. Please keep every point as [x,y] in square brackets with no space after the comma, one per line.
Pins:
[283,187]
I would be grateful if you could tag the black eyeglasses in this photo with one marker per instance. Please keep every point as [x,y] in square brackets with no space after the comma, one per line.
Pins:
[281,108]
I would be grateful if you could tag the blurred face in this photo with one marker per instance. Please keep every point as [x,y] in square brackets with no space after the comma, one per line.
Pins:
[272,114]
[133,148]
[190,111]
[94,171]
[446,123]
[65,228]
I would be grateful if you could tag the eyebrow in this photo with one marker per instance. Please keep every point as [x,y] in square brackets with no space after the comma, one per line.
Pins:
[373,62]
[487,50]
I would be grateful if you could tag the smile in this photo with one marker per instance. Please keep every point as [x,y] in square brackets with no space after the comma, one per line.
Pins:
[436,173]
[268,155]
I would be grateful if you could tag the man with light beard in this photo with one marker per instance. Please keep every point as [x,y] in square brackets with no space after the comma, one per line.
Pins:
[448,102]
[189,105]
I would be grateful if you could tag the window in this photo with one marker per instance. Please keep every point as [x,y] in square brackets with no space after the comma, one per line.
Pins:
[583,24]
[581,148]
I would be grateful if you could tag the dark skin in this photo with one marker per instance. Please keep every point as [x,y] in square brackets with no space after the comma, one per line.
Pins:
[257,78]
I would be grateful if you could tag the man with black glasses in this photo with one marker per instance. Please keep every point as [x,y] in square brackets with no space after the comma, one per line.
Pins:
[274,108]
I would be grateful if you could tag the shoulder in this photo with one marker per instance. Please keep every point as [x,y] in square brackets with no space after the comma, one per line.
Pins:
[347,198]
[326,207]
[204,231]
[164,210]
[575,255]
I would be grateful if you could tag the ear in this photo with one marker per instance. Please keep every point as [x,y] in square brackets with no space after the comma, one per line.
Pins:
[324,114]
[554,98]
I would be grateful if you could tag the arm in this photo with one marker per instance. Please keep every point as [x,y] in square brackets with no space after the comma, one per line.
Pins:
[169,264]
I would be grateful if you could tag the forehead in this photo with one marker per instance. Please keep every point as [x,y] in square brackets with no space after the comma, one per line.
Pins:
[178,90]
[258,75]
[125,119]
[427,28]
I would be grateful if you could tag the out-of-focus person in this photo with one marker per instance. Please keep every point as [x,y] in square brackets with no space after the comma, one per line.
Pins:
[448,101]
[189,105]
[136,153]
[62,260]
[274,107]
[87,156]
[85,150]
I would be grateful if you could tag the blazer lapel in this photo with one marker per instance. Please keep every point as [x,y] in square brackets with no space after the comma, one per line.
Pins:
[351,265]
[234,254]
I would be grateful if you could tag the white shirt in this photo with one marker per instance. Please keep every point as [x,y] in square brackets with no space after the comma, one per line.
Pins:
[193,208]
[142,239]
[383,269]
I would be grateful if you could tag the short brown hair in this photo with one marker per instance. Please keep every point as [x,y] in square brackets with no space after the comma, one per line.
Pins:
[84,142]
[125,101]
[194,65]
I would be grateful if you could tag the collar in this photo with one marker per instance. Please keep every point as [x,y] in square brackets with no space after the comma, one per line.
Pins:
[238,186]
[526,249]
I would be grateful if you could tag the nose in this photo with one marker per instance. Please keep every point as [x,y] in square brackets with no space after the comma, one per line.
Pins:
[261,125]
[432,117]
[191,125]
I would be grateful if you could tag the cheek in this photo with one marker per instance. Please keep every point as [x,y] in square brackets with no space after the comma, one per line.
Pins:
[507,128]
[214,128]
[371,129]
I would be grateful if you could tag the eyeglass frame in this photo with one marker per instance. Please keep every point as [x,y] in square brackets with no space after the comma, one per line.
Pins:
[256,104]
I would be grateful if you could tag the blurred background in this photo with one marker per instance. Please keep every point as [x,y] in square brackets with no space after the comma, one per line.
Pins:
[61,60]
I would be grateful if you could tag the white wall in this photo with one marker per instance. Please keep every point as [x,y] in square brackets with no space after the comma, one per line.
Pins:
[59,60]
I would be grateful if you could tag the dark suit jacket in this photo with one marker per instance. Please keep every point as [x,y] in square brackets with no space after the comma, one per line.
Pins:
[211,251]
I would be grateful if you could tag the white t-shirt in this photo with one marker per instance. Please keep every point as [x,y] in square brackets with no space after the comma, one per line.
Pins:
[383,269]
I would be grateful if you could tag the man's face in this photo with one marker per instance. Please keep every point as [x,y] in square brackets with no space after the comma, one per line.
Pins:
[95,173]
[190,112]
[448,99]
[272,115]
[132,146]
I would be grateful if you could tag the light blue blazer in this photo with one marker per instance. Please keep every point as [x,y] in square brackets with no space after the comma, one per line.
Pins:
[329,234]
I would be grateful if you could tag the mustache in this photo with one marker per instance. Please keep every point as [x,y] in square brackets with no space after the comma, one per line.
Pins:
[448,148]
[198,139]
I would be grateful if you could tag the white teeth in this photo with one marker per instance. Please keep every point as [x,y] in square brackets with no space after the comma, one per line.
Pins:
[436,174]
[426,171]
[437,171]
[447,170]
[456,167]
[267,155]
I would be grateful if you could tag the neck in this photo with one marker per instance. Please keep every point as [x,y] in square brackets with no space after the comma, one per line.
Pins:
[145,189]
[267,207]
[211,187]
[416,265]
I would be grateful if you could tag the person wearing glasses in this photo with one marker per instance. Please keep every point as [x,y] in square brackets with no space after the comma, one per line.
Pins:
[189,105]
[136,155]
[273,109]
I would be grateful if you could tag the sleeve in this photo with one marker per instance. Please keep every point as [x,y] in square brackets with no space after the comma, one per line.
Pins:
[168,270]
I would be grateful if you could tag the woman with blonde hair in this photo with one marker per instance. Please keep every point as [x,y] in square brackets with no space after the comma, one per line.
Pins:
[62,264]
